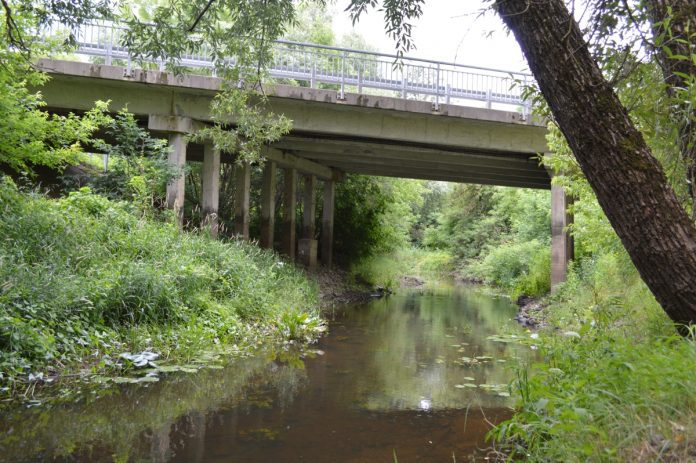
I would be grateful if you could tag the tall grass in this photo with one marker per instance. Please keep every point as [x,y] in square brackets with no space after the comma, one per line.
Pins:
[386,269]
[615,382]
[83,278]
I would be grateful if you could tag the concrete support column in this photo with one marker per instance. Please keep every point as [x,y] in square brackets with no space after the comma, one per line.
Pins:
[327,223]
[309,211]
[289,202]
[307,246]
[242,177]
[268,192]
[175,188]
[210,197]
[561,240]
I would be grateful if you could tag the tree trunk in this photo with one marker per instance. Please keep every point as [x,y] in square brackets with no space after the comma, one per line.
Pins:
[630,184]
[674,29]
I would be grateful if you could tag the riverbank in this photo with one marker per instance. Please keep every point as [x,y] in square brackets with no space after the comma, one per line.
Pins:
[91,289]
[614,382]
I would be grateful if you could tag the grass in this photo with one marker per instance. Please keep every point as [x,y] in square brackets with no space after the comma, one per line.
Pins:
[615,382]
[84,279]
[386,269]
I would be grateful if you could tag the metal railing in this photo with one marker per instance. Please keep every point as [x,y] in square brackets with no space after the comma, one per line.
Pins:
[346,69]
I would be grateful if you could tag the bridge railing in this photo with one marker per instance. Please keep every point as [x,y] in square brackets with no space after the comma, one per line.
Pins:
[344,69]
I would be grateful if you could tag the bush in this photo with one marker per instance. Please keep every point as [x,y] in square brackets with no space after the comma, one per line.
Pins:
[516,267]
[84,274]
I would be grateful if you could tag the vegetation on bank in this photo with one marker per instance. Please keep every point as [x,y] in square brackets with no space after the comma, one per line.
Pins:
[86,279]
[614,382]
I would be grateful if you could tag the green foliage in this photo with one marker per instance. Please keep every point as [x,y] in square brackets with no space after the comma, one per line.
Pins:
[522,267]
[83,277]
[607,399]
[243,30]
[606,393]
[613,382]
[497,235]
[30,136]
[375,215]
[397,19]
[254,126]
[386,269]
[312,25]
[139,170]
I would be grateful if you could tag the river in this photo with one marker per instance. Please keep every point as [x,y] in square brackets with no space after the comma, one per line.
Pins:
[415,377]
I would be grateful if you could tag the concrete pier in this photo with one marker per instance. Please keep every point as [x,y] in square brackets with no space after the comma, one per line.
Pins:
[327,223]
[289,203]
[175,188]
[307,246]
[268,193]
[309,210]
[242,178]
[210,197]
[561,241]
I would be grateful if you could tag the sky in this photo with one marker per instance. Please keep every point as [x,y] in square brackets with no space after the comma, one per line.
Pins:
[449,30]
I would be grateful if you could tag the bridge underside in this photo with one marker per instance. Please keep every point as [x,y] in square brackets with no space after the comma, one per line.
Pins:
[372,135]
[394,159]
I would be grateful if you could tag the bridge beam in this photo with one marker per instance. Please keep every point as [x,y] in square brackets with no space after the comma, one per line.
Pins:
[327,223]
[242,176]
[268,193]
[210,188]
[289,203]
[305,166]
[562,246]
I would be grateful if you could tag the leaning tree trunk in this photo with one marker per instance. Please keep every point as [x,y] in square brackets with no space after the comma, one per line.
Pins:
[674,30]
[630,185]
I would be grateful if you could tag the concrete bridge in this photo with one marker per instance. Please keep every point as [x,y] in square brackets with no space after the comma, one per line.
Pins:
[334,132]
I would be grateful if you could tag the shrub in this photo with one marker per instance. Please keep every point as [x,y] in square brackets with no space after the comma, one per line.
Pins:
[84,274]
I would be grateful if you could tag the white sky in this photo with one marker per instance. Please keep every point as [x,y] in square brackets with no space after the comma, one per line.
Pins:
[449,31]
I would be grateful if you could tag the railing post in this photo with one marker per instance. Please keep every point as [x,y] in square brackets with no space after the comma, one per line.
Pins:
[404,76]
[488,99]
[526,104]
[313,79]
[109,47]
[128,72]
[360,80]
[436,106]
[448,93]
[342,96]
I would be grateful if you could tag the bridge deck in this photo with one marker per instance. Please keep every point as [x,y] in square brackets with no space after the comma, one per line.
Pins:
[373,135]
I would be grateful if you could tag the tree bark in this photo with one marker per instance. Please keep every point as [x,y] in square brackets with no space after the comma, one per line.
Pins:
[674,28]
[630,184]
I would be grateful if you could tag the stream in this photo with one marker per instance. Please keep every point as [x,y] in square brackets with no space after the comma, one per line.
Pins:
[415,377]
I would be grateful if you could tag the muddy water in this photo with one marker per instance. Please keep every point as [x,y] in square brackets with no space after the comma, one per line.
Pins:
[398,376]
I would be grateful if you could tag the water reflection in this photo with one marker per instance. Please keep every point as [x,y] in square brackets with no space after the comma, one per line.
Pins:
[391,376]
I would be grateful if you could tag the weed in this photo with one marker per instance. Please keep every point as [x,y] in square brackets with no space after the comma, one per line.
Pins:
[86,278]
